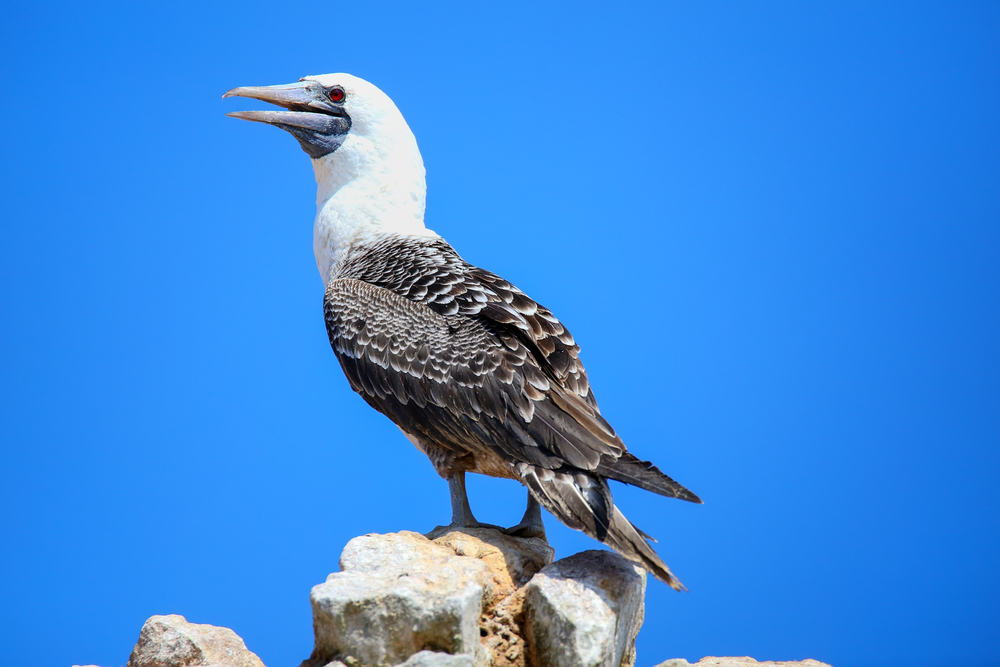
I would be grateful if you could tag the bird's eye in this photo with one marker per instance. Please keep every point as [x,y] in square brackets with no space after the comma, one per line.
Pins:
[337,95]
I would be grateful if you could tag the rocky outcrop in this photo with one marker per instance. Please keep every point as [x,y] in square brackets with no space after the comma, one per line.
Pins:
[453,598]
[512,563]
[397,595]
[170,641]
[585,610]
[498,600]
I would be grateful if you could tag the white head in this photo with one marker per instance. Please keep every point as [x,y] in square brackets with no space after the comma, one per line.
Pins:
[368,168]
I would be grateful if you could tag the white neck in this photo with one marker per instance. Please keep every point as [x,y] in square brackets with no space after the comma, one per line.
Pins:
[365,189]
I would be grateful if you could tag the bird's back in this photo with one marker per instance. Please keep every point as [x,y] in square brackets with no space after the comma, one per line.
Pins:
[457,356]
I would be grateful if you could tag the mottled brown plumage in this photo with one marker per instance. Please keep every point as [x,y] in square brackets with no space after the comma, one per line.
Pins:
[484,380]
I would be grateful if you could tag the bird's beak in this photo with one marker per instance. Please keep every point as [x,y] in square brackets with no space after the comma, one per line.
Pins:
[319,124]
[299,98]
[286,95]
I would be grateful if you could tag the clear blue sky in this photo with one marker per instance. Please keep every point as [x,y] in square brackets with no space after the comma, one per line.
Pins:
[774,229]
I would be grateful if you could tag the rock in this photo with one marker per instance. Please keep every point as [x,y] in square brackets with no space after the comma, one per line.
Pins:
[513,561]
[432,659]
[739,662]
[397,595]
[470,597]
[495,599]
[585,611]
[170,641]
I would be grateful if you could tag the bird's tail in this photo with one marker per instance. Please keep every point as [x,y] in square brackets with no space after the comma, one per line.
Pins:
[583,502]
[645,475]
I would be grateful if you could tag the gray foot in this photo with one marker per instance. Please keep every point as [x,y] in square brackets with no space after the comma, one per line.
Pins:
[531,523]
[461,514]
[444,530]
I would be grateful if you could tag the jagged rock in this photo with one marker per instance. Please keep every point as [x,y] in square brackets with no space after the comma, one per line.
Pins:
[585,611]
[470,597]
[396,595]
[170,641]
[480,593]
[513,562]
[739,662]
[399,594]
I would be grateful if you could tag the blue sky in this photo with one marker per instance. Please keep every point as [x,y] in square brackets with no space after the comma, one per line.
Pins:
[773,229]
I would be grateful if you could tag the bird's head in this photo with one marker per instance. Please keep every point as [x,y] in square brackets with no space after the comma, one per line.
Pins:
[323,111]
[369,171]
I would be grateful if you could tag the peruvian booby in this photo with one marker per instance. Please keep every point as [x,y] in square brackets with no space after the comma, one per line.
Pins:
[480,377]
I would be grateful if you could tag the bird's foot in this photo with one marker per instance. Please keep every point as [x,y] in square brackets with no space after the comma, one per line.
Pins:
[531,523]
[526,529]
[444,530]
[461,514]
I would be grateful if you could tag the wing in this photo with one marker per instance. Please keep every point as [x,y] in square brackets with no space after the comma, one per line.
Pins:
[539,375]
[469,387]
[429,271]
[464,384]
[469,365]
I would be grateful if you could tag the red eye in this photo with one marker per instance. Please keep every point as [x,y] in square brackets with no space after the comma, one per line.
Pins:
[337,95]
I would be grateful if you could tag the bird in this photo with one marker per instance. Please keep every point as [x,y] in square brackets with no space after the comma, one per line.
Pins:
[479,377]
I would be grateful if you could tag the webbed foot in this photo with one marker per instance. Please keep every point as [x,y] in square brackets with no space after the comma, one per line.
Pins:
[531,523]
[461,514]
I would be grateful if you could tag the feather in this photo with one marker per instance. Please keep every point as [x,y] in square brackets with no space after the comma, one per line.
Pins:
[487,380]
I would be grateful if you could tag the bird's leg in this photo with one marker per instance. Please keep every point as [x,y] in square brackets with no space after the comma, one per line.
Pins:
[461,512]
[531,523]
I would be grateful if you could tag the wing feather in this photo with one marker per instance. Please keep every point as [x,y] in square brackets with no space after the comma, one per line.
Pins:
[465,362]
[582,501]
[396,352]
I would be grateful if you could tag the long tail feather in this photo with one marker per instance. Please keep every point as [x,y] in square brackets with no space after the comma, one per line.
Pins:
[583,502]
[645,475]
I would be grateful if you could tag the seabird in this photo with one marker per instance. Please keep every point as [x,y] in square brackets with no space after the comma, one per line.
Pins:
[480,377]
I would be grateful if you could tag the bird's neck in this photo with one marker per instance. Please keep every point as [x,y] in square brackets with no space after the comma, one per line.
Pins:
[362,192]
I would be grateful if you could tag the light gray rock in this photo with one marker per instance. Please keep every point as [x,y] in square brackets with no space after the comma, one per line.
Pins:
[512,562]
[585,611]
[170,641]
[397,595]
[432,659]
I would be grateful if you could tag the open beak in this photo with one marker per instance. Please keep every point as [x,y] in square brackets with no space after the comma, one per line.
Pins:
[319,124]
[305,101]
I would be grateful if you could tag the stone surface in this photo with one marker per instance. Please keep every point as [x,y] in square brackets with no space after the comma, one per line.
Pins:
[512,561]
[455,598]
[432,659]
[739,662]
[459,593]
[396,595]
[585,611]
[170,641]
